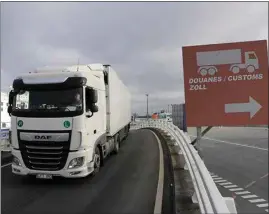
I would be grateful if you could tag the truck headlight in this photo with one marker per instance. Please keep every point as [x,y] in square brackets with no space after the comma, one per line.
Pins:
[16,161]
[76,162]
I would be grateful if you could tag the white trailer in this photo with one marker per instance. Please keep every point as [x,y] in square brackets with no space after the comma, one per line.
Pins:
[72,120]
[207,61]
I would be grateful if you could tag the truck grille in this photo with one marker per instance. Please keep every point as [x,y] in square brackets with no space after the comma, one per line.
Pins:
[44,155]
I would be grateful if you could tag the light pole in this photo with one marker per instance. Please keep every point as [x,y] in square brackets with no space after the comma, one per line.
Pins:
[147,106]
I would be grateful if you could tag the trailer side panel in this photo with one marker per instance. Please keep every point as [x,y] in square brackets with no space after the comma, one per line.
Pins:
[219,57]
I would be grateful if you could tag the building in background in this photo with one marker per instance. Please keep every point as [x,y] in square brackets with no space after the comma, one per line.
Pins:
[179,116]
[5,118]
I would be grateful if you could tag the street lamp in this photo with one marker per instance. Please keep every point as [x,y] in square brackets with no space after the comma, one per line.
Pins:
[147,106]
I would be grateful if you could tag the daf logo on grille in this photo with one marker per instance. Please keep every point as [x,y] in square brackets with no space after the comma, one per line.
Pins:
[42,137]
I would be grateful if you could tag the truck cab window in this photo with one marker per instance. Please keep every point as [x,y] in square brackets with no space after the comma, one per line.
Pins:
[49,101]
[252,56]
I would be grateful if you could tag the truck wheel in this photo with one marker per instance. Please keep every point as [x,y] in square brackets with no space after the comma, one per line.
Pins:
[211,71]
[250,69]
[235,69]
[203,72]
[97,161]
[126,131]
[117,145]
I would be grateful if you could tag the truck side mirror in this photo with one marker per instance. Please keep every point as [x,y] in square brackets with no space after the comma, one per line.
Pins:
[92,96]
[9,110]
[11,97]
[94,108]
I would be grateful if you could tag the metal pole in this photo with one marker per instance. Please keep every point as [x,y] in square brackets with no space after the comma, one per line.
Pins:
[197,145]
[147,106]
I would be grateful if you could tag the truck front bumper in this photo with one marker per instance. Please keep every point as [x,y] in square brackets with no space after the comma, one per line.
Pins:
[83,171]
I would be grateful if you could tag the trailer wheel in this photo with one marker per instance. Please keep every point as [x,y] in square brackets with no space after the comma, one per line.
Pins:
[212,71]
[203,72]
[97,160]
[235,69]
[250,69]
[117,145]
[126,131]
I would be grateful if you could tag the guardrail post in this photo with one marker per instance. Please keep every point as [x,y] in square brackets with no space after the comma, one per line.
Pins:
[194,198]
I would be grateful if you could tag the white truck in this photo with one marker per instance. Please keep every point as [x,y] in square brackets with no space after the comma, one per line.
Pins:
[207,61]
[70,121]
[166,116]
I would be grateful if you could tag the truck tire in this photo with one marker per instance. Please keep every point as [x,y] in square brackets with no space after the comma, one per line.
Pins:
[212,71]
[97,160]
[203,72]
[235,69]
[126,131]
[250,69]
[117,144]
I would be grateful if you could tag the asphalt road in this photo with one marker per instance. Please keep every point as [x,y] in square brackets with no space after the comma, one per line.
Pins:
[240,156]
[126,184]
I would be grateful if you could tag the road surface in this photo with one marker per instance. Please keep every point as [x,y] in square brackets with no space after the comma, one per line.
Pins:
[239,155]
[128,183]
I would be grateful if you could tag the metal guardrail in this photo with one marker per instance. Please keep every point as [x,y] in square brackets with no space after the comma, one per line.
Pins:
[206,193]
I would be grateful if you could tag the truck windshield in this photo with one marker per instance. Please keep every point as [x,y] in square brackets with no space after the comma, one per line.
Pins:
[69,100]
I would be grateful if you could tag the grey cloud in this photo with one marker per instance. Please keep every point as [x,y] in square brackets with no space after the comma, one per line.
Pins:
[142,40]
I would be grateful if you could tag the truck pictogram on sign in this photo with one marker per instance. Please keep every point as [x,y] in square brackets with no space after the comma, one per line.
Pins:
[237,59]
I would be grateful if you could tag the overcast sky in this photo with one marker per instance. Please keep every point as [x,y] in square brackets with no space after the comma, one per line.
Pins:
[142,41]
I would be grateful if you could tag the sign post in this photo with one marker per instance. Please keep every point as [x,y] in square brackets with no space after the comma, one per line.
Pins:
[226,84]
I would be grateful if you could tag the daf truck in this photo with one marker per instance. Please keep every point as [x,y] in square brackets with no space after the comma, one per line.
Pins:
[236,58]
[65,122]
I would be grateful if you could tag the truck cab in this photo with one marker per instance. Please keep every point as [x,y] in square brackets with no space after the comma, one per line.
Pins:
[59,122]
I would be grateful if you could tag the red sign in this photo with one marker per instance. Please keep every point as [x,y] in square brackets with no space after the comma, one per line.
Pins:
[226,84]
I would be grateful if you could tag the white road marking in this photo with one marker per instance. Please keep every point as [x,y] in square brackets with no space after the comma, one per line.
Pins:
[236,189]
[250,184]
[257,200]
[236,144]
[220,181]
[219,178]
[214,176]
[230,186]
[257,128]
[159,194]
[264,176]
[249,196]
[262,205]
[226,183]
[242,193]
[6,165]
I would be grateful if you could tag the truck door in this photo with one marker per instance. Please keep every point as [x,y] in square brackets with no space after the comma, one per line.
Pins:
[95,121]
